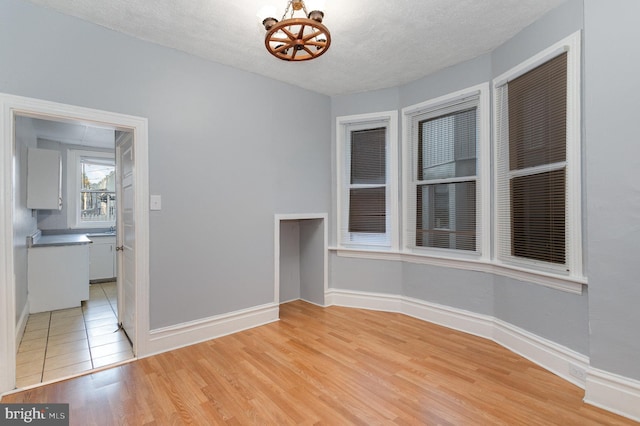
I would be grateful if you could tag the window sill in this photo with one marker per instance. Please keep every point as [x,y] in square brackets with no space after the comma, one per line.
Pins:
[563,283]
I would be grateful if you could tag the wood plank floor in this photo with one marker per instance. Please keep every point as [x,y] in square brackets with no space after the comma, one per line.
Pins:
[333,366]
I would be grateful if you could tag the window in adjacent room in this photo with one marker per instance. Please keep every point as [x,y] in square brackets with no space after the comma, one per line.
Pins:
[366,180]
[538,164]
[446,171]
[94,187]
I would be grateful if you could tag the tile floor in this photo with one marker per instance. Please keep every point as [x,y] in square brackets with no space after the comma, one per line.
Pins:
[69,341]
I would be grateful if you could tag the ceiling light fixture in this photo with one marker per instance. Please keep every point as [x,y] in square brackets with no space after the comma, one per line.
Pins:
[296,38]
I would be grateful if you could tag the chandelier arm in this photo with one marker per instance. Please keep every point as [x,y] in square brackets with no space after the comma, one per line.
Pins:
[284,15]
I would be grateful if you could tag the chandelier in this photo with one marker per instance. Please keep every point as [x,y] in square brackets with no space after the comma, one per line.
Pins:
[296,38]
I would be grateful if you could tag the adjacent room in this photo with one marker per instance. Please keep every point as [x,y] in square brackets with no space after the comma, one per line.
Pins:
[321,211]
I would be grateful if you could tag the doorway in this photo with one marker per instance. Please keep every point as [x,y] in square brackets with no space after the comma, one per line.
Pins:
[12,320]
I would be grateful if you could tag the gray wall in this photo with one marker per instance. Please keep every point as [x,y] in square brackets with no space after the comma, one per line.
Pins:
[612,108]
[24,223]
[312,251]
[218,151]
[289,260]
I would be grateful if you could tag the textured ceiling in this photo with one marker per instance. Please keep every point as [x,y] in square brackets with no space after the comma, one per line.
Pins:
[375,44]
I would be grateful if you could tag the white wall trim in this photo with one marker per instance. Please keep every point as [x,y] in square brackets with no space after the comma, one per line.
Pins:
[614,393]
[7,276]
[457,319]
[22,324]
[192,332]
[560,360]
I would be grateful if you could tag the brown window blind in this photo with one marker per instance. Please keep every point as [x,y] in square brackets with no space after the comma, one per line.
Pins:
[538,216]
[537,115]
[367,194]
[367,211]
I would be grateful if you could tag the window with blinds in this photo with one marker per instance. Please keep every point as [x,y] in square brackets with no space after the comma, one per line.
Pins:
[531,137]
[365,183]
[443,186]
[367,186]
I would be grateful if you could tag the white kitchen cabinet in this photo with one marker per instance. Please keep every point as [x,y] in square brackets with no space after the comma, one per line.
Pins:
[102,258]
[58,277]
[44,179]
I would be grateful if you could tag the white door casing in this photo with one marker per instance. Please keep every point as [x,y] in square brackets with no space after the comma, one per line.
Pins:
[10,107]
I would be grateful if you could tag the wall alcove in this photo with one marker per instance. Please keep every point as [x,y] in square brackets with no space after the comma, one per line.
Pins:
[301,258]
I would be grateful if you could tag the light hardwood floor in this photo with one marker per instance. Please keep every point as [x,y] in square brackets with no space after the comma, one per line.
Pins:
[333,366]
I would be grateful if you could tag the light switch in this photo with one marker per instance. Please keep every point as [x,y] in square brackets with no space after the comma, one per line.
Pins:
[155,202]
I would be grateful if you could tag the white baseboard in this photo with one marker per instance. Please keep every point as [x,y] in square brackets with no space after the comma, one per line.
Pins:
[362,300]
[22,324]
[611,392]
[614,393]
[189,333]
[560,360]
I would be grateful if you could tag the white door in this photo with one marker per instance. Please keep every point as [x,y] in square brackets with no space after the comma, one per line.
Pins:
[126,236]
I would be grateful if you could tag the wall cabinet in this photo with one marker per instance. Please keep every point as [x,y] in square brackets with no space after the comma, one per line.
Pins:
[102,258]
[44,179]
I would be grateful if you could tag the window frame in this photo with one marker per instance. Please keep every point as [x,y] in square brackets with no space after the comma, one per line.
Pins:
[482,176]
[573,267]
[344,126]
[74,158]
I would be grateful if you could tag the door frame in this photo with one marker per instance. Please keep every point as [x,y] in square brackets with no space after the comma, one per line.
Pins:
[10,106]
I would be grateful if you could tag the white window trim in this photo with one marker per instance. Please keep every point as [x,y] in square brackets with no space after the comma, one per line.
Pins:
[73,188]
[482,178]
[571,45]
[344,124]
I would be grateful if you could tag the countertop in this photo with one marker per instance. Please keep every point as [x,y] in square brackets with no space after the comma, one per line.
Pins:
[39,240]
